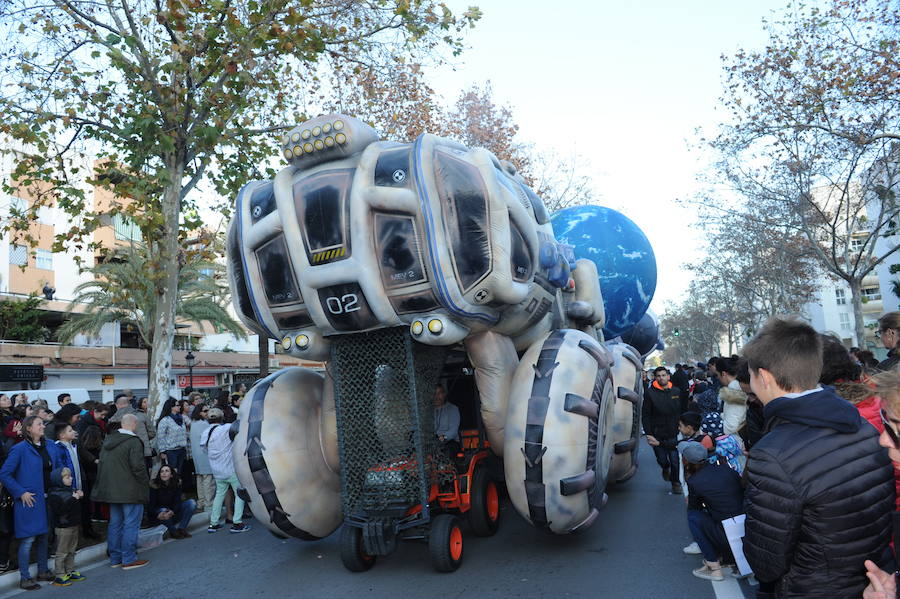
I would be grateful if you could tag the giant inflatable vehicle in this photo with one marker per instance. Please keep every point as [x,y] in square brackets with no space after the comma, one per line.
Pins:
[404,266]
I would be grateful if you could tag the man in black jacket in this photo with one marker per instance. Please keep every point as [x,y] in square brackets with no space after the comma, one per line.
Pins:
[820,490]
[663,404]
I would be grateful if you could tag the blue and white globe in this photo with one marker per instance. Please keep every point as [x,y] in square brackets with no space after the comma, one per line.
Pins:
[623,256]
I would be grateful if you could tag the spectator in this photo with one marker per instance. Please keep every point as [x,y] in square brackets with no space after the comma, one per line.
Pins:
[218,440]
[63,454]
[171,435]
[754,429]
[734,401]
[167,506]
[95,417]
[26,473]
[662,406]
[236,400]
[224,404]
[868,361]
[185,409]
[65,512]
[20,399]
[681,380]
[820,493]
[89,456]
[712,424]
[123,482]
[889,332]
[63,399]
[206,483]
[883,585]
[714,494]
[843,373]
[123,406]
[711,366]
[5,409]
[13,431]
[67,415]
[689,427]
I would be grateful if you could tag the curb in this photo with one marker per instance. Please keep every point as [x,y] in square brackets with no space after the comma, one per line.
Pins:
[96,553]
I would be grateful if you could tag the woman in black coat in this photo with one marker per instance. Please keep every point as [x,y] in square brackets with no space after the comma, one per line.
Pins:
[166,504]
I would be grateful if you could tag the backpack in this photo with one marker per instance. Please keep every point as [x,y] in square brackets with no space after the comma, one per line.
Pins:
[729,452]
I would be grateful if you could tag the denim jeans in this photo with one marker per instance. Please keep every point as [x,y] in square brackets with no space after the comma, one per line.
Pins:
[667,458]
[124,526]
[709,534]
[25,555]
[175,458]
[182,517]
[222,485]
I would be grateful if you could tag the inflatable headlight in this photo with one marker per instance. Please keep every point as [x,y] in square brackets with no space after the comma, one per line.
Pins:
[435,326]
[417,327]
[302,341]
[286,342]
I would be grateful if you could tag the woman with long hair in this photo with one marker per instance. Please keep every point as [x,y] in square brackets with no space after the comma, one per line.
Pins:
[166,504]
[223,402]
[171,435]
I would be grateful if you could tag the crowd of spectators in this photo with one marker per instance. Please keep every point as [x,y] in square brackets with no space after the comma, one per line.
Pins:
[65,475]
[798,435]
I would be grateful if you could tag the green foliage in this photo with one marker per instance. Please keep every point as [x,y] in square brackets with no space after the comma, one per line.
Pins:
[20,320]
[121,291]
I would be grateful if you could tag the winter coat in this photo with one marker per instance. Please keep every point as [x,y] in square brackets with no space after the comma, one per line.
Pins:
[87,420]
[819,498]
[707,400]
[681,380]
[122,475]
[170,435]
[65,510]
[893,358]
[661,410]
[23,471]
[734,410]
[717,489]
[142,430]
[201,459]
[164,498]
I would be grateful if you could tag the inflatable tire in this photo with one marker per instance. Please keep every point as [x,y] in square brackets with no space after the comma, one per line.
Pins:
[353,555]
[445,543]
[627,423]
[560,416]
[278,456]
[484,517]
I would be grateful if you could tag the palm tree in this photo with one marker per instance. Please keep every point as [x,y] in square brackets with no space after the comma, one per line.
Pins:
[123,291]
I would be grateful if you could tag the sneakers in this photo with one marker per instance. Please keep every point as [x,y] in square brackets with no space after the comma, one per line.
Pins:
[240,528]
[29,584]
[692,549]
[707,573]
[213,528]
[136,564]
[62,582]
[76,576]
[46,576]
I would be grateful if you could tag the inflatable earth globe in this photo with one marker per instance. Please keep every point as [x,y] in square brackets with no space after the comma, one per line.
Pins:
[623,256]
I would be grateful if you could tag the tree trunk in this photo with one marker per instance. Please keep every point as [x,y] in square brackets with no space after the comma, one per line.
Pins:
[168,264]
[263,356]
[856,299]
[149,363]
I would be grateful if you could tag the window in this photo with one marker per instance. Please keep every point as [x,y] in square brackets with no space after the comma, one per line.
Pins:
[841,297]
[45,215]
[18,255]
[845,321]
[17,204]
[125,228]
[871,293]
[857,243]
[44,259]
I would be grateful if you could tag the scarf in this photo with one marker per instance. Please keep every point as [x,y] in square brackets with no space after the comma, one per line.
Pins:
[178,419]
[656,385]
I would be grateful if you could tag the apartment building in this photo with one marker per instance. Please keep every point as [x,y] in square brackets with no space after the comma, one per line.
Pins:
[115,359]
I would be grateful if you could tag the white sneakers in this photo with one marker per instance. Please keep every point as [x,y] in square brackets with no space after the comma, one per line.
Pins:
[692,549]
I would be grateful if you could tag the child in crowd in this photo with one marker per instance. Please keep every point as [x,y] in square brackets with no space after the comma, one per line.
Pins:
[689,427]
[65,511]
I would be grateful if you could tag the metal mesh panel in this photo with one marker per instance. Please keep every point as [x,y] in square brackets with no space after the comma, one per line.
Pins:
[384,390]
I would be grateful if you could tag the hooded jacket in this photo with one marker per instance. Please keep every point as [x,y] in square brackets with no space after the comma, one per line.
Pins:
[122,473]
[734,407]
[65,510]
[819,498]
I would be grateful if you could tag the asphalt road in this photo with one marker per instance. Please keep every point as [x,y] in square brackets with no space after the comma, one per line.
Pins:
[633,550]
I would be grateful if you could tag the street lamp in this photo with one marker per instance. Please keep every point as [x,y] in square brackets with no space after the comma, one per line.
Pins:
[190,359]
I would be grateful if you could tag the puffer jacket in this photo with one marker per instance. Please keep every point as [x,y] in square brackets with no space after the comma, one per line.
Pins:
[660,411]
[820,493]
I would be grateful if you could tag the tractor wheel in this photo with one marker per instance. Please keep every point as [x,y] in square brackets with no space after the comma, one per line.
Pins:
[352,553]
[484,517]
[445,543]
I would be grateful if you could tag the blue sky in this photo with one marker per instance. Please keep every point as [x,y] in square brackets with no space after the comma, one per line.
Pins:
[624,84]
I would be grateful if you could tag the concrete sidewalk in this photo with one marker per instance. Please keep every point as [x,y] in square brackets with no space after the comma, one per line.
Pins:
[95,553]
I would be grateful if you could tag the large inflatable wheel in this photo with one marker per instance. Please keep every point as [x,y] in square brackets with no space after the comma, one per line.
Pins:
[484,517]
[627,422]
[445,543]
[558,440]
[353,553]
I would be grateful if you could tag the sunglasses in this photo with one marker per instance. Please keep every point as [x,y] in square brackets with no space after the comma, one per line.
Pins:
[889,428]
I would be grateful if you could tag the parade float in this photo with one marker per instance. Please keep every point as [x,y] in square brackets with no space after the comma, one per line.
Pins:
[402,266]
